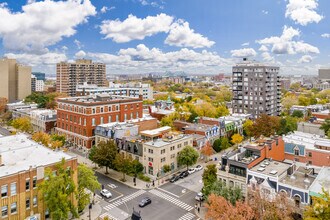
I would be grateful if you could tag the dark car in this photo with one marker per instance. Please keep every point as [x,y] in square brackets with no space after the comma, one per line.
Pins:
[145,201]
[184,174]
[174,179]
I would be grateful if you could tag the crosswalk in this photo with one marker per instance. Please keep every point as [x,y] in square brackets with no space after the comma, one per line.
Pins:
[171,199]
[187,216]
[124,199]
[107,215]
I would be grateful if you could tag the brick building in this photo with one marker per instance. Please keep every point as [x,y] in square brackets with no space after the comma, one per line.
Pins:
[77,117]
[23,163]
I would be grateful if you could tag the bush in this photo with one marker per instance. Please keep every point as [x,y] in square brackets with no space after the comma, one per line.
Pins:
[143,177]
[217,145]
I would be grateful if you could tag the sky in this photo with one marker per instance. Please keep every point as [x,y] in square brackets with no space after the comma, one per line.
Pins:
[143,36]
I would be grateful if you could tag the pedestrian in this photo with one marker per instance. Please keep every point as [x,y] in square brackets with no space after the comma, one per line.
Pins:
[196,206]
[153,183]
[198,209]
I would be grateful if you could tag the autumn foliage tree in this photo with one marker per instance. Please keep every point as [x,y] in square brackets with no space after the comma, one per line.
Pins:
[266,125]
[219,208]
[207,150]
[237,139]
[320,209]
[22,124]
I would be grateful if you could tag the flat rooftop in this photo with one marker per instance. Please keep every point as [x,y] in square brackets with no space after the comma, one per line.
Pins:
[322,181]
[301,178]
[307,140]
[20,153]
[161,142]
[155,132]
[272,168]
[98,98]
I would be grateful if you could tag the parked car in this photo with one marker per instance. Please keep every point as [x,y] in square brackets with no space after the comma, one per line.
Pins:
[198,167]
[184,174]
[199,196]
[174,178]
[105,193]
[191,170]
[145,201]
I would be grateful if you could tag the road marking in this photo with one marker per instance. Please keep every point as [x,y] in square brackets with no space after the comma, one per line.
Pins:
[112,186]
[116,198]
[125,199]
[187,216]
[107,215]
[171,199]
[168,192]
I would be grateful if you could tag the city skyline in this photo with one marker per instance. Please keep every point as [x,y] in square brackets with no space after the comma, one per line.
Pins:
[141,36]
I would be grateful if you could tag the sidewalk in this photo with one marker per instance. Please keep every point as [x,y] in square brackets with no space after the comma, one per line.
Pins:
[95,212]
[201,213]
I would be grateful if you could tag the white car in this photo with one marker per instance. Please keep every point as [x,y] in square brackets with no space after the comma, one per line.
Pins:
[106,193]
[191,170]
[198,167]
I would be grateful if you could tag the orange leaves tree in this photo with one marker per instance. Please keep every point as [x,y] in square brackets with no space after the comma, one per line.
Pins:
[207,150]
[219,208]
[266,125]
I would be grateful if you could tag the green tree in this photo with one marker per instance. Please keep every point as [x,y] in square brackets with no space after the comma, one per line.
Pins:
[222,110]
[247,128]
[320,209]
[86,181]
[217,145]
[231,194]
[57,192]
[287,124]
[166,168]
[209,175]
[325,126]
[22,124]
[225,143]
[105,154]
[169,119]
[137,167]
[297,114]
[187,156]
[303,100]
[57,137]
[123,164]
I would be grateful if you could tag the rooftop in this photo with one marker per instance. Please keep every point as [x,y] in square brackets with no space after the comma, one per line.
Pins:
[310,141]
[302,178]
[128,123]
[98,98]
[161,142]
[322,181]
[20,154]
[273,168]
[156,132]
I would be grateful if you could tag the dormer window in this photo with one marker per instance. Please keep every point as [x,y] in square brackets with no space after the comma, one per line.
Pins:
[296,150]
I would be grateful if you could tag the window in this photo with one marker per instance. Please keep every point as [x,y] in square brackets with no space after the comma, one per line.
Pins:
[137,114]
[27,184]
[27,203]
[117,107]
[150,151]
[93,110]
[172,156]
[310,154]
[101,120]
[4,211]
[101,109]
[109,108]
[125,117]
[34,182]
[131,115]
[179,146]
[35,201]
[150,159]
[47,215]
[296,159]
[4,191]
[162,160]
[296,151]
[13,189]
[185,143]
[172,148]
[85,121]
[125,107]
[117,118]
[151,170]
[13,208]
[93,121]
[162,151]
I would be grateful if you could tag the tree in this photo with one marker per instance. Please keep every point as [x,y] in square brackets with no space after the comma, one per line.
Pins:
[57,192]
[187,156]
[217,145]
[169,119]
[287,124]
[303,100]
[137,167]
[207,150]
[266,125]
[57,137]
[105,154]
[209,175]
[326,126]
[42,138]
[231,194]
[86,181]
[206,109]
[297,114]
[288,101]
[22,124]
[222,110]
[225,143]
[247,128]
[123,164]
[320,208]
[295,86]
[166,168]
[219,208]
[236,139]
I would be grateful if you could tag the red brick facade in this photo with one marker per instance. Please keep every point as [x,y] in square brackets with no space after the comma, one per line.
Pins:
[78,119]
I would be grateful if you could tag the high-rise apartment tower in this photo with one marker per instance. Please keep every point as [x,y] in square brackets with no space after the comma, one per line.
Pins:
[256,89]
[69,75]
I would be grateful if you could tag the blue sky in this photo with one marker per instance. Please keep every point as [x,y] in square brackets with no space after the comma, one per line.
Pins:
[141,36]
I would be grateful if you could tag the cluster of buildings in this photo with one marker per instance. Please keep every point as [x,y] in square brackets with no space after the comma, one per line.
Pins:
[38,82]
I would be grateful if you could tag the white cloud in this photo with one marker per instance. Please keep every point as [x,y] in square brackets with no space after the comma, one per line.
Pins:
[245,44]
[104,9]
[245,52]
[64,48]
[325,35]
[264,12]
[303,12]
[50,58]
[80,54]
[142,59]
[134,28]
[263,48]
[267,57]
[182,36]
[156,4]
[285,44]
[78,44]
[305,59]
[30,29]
